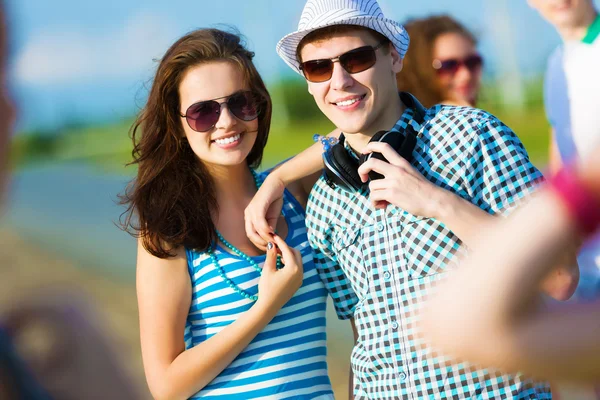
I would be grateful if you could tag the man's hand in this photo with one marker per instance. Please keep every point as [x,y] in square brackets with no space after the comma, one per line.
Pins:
[402,186]
[262,213]
[561,281]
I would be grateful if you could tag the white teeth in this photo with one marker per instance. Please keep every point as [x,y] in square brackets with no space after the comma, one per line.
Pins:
[228,140]
[346,103]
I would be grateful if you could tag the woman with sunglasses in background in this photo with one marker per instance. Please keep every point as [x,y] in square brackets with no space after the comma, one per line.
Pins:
[442,64]
[218,317]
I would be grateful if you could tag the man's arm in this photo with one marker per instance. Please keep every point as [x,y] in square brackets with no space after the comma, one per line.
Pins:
[497,285]
[405,187]
[302,171]
[351,374]
[498,176]
[304,167]
[338,286]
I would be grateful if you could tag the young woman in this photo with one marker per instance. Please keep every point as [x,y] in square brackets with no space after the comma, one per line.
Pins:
[489,312]
[218,317]
[442,65]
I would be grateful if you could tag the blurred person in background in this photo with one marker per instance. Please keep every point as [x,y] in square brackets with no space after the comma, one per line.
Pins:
[571,88]
[219,318]
[7,111]
[490,311]
[571,97]
[16,380]
[442,65]
[52,346]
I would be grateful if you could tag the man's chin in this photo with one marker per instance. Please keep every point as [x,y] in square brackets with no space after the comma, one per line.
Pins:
[346,126]
[352,131]
[346,121]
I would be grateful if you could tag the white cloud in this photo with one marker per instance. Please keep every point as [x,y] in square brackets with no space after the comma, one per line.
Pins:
[70,57]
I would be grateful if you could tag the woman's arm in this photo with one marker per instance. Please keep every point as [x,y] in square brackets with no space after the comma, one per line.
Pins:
[164,295]
[489,312]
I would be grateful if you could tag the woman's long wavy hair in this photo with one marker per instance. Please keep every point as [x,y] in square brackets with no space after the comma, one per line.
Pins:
[418,75]
[171,201]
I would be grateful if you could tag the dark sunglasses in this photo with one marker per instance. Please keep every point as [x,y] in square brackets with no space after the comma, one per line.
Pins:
[353,61]
[473,63]
[203,116]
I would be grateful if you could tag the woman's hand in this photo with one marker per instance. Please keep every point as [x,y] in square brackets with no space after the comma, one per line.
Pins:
[402,186]
[263,211]
[277,286]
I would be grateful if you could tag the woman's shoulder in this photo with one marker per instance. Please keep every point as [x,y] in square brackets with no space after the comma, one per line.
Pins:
[154,265]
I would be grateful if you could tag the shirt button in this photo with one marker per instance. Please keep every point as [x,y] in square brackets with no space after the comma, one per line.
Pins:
[380,227]
[402,376]
[394,325]
[387,275]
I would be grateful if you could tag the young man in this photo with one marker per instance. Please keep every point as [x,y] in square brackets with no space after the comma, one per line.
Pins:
[572,85]
[381,249]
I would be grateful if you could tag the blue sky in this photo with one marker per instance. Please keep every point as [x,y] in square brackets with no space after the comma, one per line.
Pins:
[86,61]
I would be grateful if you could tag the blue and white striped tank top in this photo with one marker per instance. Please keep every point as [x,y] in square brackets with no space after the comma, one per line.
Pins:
[287,360]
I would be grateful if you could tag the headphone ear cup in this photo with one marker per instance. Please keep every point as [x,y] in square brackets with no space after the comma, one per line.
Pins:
[376,138]
[393,138]
[408,145]
[347,166]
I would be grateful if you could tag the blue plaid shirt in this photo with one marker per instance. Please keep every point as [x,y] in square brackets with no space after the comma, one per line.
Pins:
[390,259]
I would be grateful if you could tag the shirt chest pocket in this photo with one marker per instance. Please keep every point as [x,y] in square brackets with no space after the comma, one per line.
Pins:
[348,248]
[429,247]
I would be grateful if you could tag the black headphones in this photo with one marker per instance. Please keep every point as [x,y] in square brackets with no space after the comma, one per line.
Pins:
[341,169]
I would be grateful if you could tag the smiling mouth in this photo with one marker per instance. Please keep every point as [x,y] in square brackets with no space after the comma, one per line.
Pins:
[228,140]
[349,102]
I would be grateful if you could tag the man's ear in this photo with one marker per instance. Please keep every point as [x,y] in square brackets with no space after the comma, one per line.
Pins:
[397,61]
[399,67]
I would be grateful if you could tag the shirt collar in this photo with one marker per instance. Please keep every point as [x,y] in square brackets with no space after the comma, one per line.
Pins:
[592,32]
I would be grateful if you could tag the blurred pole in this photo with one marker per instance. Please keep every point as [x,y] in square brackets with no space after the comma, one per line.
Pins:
[503,34]
[280,115]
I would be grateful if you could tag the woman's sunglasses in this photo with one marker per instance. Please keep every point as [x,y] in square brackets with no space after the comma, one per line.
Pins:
[451,66]
[353,61]
[203,116]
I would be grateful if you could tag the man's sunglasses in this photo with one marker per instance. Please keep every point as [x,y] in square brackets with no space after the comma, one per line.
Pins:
[203,116]
[451,66]
[353,61]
